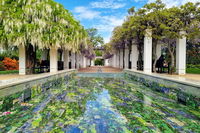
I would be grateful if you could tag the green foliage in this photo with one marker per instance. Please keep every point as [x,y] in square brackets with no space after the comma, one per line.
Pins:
[98,53]
[8,72]
[10,53]
[193,70]
[94,38]
[2,67]
[99,62]
[165,23]
[43,23]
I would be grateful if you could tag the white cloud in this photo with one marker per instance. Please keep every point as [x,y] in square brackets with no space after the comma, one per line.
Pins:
[107,25]
[107,39]
[108,4]
[86,13]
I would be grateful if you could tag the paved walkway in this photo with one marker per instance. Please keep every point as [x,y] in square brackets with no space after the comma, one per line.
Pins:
[102,69]
[5,79]
[15,78]
[193,79]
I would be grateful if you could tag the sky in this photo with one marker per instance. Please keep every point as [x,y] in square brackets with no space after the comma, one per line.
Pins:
[104,15]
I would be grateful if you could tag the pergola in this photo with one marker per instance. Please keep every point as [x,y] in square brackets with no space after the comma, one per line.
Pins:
[117,59]
[77,60]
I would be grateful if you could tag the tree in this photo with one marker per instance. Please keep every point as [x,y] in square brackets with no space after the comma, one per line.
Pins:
[165,23]
[94,38]
[38,24]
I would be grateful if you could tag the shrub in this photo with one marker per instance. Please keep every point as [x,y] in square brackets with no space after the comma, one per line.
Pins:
[9,54]
[10,64]
[2,67]
[193,66]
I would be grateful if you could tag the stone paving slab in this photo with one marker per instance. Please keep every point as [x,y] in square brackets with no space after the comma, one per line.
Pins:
[102,69]
[192,79]
[11,79]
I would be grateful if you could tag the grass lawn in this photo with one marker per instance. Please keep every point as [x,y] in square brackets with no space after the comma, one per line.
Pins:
[9,72]
[193,70]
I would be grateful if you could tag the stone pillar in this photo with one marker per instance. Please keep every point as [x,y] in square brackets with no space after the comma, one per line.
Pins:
[181,54]
[73,60]
[148,51]
[117,61]
[84,62]
[78,61]
[22,60]
[53,60]
[126,58]
[92,62]
[66,59]
[114,60]
[106,62]
[88,62]
[81,60]
[121,58]
[134,57]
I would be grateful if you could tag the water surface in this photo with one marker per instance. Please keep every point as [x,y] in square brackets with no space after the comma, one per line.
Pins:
[96,105]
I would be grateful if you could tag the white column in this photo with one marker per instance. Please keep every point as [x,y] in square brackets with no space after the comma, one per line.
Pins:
[134,57]
[84,62]
[181,54]
[81,60]
[92,62]
[126,58]
[114,60]
[121,58]
[66,59]
[73,61]
[117,62]
[53,60]
[106,62]
[148,51]
[78,61]
[88,62]
[22,60]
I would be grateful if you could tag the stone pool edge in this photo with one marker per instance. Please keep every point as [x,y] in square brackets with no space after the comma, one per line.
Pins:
[184,86]
[39,77]
[165,78]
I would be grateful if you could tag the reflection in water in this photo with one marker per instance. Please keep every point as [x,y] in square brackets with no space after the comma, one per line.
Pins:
[95,105]
[100,115]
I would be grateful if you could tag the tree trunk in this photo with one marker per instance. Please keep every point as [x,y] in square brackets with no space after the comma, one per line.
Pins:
[30,59]
[140,57]
[119,59]
[129,57]
[123,58]
[155,55]
[171,52]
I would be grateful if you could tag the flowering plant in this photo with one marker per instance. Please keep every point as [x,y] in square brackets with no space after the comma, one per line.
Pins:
[10,64]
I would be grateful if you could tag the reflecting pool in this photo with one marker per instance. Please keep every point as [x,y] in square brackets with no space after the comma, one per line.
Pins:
[95,105]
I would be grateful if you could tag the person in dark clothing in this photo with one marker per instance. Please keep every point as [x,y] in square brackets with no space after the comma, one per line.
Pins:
[159,63]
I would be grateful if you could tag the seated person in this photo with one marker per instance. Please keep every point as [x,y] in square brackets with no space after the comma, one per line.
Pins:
[160,63]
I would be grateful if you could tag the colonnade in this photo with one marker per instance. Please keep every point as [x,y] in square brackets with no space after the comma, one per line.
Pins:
[121,60]
[70,60]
